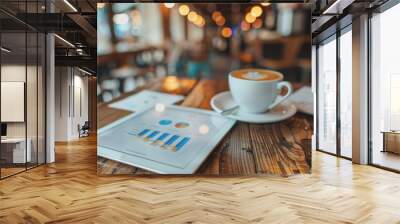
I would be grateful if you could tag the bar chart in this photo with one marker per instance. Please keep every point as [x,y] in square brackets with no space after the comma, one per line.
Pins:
[162,140]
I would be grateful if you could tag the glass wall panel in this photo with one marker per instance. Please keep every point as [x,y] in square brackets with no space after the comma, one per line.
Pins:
[346,94]
[41,78]
[385,89]
[31,97]
[327,96]
[14,153]
[22,89]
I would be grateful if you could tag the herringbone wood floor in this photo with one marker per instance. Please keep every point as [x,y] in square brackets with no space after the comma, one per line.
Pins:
[69,191]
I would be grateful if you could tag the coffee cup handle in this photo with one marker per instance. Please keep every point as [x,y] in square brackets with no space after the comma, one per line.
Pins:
[280,99]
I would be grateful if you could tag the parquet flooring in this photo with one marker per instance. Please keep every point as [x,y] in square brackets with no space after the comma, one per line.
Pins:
[69,191]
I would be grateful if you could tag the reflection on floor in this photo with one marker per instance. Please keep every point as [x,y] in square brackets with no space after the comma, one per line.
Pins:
[386,159]
[10,171]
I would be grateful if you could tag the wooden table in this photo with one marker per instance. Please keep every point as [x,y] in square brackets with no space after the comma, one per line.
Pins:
[282,148]
[391,141]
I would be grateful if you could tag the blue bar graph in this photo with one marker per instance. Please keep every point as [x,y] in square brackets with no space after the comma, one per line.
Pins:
[162,137]
[163,140]
[143,132]
[151,135]
[171,140]
[182,143]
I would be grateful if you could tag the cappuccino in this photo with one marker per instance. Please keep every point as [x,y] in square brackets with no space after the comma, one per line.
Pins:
[256,74]
[257,90]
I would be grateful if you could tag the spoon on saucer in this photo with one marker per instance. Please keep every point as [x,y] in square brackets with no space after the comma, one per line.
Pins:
[229,111]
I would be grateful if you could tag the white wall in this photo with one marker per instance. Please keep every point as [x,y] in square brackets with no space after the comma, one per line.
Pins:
[71,93]
[33,126]
[12,73]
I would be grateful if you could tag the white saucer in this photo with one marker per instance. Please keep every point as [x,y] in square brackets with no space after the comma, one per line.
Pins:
[224,100]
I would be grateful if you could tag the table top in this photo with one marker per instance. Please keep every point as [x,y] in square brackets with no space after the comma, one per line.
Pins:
[14,140]
[390,132]
[282,148]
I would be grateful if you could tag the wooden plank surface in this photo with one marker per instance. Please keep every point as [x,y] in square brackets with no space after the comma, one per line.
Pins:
[248,149]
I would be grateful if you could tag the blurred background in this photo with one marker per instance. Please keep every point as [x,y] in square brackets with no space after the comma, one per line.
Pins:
[137,43]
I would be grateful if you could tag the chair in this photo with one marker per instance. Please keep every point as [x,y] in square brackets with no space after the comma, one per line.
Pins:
[84,130]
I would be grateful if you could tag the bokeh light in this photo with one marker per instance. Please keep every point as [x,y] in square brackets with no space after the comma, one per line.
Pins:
[169,5]
[159,107]
[257,24]
[184,10]
[249,18]
[245,26]
[256,11]
[121,18]
[220,21]
[200,21]
[192,16]
[204,129]
[215,15]
[171,83]
[226,32]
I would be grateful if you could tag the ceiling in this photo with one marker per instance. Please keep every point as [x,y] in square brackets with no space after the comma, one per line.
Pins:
[72,20]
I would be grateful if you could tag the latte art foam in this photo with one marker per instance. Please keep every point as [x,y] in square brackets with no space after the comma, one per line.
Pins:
[255,76]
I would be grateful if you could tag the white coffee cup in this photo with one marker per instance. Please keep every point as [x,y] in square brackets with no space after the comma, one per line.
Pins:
[257,90]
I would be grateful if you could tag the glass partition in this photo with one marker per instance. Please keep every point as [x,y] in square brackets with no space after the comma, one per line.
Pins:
[22,77]
[327,96]
[385,89]
[31,97]
[14,145]
[346,93]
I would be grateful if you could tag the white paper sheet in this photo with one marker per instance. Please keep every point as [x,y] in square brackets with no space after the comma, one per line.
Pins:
[174,140]
[145,100]
[303,99]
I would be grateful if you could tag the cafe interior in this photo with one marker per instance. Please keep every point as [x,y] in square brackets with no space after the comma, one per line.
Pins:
[138,43]
[190,50]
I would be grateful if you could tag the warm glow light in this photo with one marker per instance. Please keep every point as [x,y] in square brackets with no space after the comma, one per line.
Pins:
[245,26]
[257,24]
[250,18]
[171,83]
[265,4]
[183,10]
[192,16]
[256,11]
[159,107]
[215,15]
[204,129]
[121,18]
[220,21]
[101,5]
[169,5]
[226,32]
[203,23]
[200,21]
